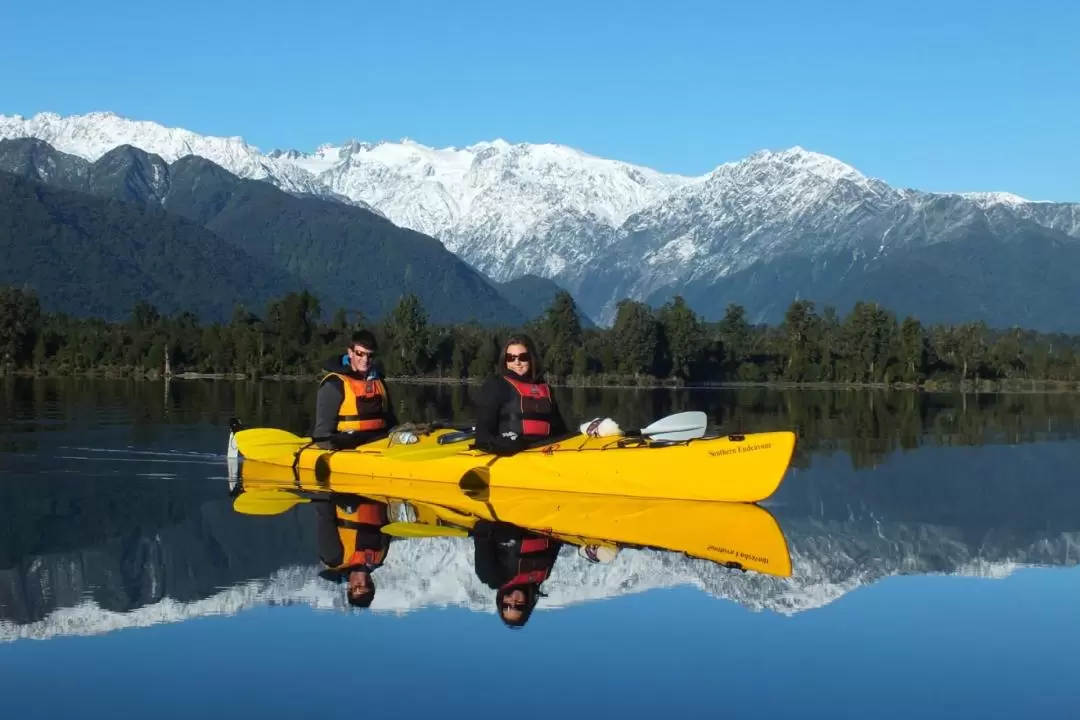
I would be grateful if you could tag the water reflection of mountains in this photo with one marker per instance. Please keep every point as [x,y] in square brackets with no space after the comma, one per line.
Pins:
[145,554]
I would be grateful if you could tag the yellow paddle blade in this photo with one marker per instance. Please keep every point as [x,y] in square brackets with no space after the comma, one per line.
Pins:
[407,529]
[270,502]
[263,444]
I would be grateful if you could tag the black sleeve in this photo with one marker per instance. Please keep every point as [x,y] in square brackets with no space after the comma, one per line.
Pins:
[492,561]
[488,439]
[331,553]
[486,562]
[327,403]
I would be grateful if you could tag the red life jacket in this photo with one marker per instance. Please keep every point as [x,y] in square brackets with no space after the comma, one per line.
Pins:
[534,564]
[531,415]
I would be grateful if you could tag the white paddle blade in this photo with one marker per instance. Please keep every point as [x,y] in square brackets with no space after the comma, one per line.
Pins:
[693,421]
[679,436]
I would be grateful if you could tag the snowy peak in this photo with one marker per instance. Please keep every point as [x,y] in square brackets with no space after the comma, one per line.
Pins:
[790,179]
[458,182]
[989,199]
[92,135]
[794,160]
[509,209]
[749,198]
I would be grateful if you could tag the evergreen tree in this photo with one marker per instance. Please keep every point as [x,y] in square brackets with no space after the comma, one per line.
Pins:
[800,327]
[20,317]
[634,337]
[560,333]
[409,334]
[913,349]
[683,337]
[735,335]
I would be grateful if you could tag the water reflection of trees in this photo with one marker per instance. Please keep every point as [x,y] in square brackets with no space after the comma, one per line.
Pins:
[867,424]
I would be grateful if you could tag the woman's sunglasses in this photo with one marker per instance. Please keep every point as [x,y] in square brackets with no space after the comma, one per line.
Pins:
[523,357]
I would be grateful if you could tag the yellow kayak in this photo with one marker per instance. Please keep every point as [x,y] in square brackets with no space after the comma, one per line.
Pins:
[729,468]
[739,535]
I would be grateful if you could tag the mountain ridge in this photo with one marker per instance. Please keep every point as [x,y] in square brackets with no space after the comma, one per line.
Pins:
[604,229]
[348,257]
[100,256]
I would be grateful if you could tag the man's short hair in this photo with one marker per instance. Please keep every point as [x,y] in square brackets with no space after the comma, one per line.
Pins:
[363,600]
[365,338]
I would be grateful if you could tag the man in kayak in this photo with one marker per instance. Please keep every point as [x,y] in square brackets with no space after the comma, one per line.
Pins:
[513,562]
[353,406]
[516,408]
[351,543]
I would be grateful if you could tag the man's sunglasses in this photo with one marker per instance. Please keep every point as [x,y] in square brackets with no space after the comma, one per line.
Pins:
[523,357]
[363,353]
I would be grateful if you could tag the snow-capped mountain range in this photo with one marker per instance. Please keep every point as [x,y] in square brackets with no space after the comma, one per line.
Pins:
[606,229]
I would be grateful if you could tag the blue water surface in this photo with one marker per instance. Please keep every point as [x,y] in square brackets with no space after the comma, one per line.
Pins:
[904,647]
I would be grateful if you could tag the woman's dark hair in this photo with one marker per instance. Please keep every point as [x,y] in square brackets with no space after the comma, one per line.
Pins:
[532,596]
[535,371]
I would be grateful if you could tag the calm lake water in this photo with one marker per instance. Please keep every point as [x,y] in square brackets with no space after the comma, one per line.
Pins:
[933,540]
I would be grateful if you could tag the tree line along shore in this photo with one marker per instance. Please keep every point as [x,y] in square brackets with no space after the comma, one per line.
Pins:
[669,345]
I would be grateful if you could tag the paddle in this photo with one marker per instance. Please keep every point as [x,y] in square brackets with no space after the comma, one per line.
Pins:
[271,502]
[414,530]
[680,426]
[268,444]
[672,428]
[263,444]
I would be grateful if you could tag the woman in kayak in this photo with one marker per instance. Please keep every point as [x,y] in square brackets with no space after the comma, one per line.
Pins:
[516,408]
[514,563]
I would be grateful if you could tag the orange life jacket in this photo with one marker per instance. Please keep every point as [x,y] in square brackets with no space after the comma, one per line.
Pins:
[532,415]
[367,516]
[363,406]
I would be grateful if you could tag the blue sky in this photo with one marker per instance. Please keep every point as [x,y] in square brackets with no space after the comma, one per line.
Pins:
[951,95]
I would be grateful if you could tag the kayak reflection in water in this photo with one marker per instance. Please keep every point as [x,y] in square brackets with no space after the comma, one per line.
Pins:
[517,409]
[514,563]
[351,544]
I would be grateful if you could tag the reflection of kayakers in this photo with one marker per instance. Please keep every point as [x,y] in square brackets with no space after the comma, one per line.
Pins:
[351,543]
[514,562]
[353,405]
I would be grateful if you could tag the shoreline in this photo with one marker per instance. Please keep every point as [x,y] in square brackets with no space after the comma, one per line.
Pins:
[1012,386]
